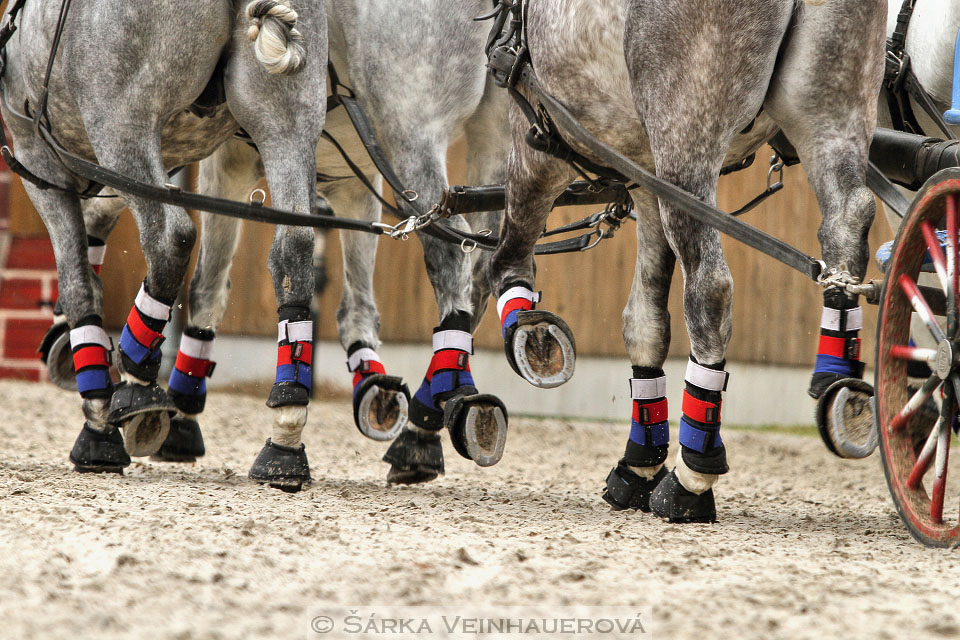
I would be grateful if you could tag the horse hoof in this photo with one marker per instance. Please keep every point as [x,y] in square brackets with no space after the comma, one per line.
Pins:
[99,451]
[415,457]
[541,348]
[56,352]
[381,406]
[184,442]
[144,413]
[478,427]
[671,501]
[626,490]
[284,468]
[845,419]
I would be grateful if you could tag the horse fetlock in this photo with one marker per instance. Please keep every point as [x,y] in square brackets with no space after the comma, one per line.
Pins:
[288,424]
[282,467]
[694,481]
[142,337]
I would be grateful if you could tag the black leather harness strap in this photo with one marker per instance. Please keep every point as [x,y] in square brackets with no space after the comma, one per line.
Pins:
[900,83]
[691,205]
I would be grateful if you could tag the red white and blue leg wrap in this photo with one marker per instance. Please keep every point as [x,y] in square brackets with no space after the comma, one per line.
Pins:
[449,368]
[295,353]
[362,363]
[91,360]
[142,336]
[650,427]
[839,349]
[513,301]
[96,251]
[448,375]
[188,380]
[703,449]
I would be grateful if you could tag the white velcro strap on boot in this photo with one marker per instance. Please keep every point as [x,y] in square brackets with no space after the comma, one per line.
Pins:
[515,292]
[152,307]
[648,388]
[360,356]
[295,331]
[842,319]
[95,255]
[199,349]
[705,378]
[460,340]
[90,334]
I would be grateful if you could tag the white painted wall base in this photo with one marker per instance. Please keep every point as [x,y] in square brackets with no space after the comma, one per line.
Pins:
[757,394]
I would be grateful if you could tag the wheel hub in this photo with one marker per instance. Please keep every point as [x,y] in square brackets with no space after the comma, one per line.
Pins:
[944,359]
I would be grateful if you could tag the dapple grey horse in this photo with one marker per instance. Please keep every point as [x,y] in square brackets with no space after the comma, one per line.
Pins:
[416,116]
[124,77]
[677,86]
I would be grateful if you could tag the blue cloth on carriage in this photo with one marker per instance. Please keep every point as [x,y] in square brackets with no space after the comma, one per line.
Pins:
[886,249]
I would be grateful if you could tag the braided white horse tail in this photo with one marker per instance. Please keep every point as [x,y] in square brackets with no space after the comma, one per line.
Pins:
[276,42]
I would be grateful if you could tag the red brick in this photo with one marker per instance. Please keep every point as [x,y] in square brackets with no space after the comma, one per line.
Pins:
[16,373]
[21,293]
[22,338]
[31,253]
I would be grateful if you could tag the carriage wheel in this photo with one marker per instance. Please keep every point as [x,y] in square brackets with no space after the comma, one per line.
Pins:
[914,432]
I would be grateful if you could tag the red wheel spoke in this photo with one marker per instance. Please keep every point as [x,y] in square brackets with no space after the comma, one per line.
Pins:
[925,458]
[936,254]
[903,352]
[919,304]
[915,402]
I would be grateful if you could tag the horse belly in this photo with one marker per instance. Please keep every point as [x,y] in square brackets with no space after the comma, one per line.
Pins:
[577,52]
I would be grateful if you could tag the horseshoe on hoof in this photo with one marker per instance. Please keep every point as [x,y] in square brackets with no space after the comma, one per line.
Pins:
[478,427]
[541,349]
[381,406]
[845,421]
[144,413]
[55,352]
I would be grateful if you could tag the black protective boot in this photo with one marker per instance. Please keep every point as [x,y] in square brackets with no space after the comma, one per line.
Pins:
[626,490]
[671,501]
[99,451]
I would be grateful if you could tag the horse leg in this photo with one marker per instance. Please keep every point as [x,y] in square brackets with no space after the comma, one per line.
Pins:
[823,95]
[231,172]
[285,115]
[99,447]
[646,334]
[488,144]
[447,397]
[100,216]
[539,345]
[380,402]
[689,137]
